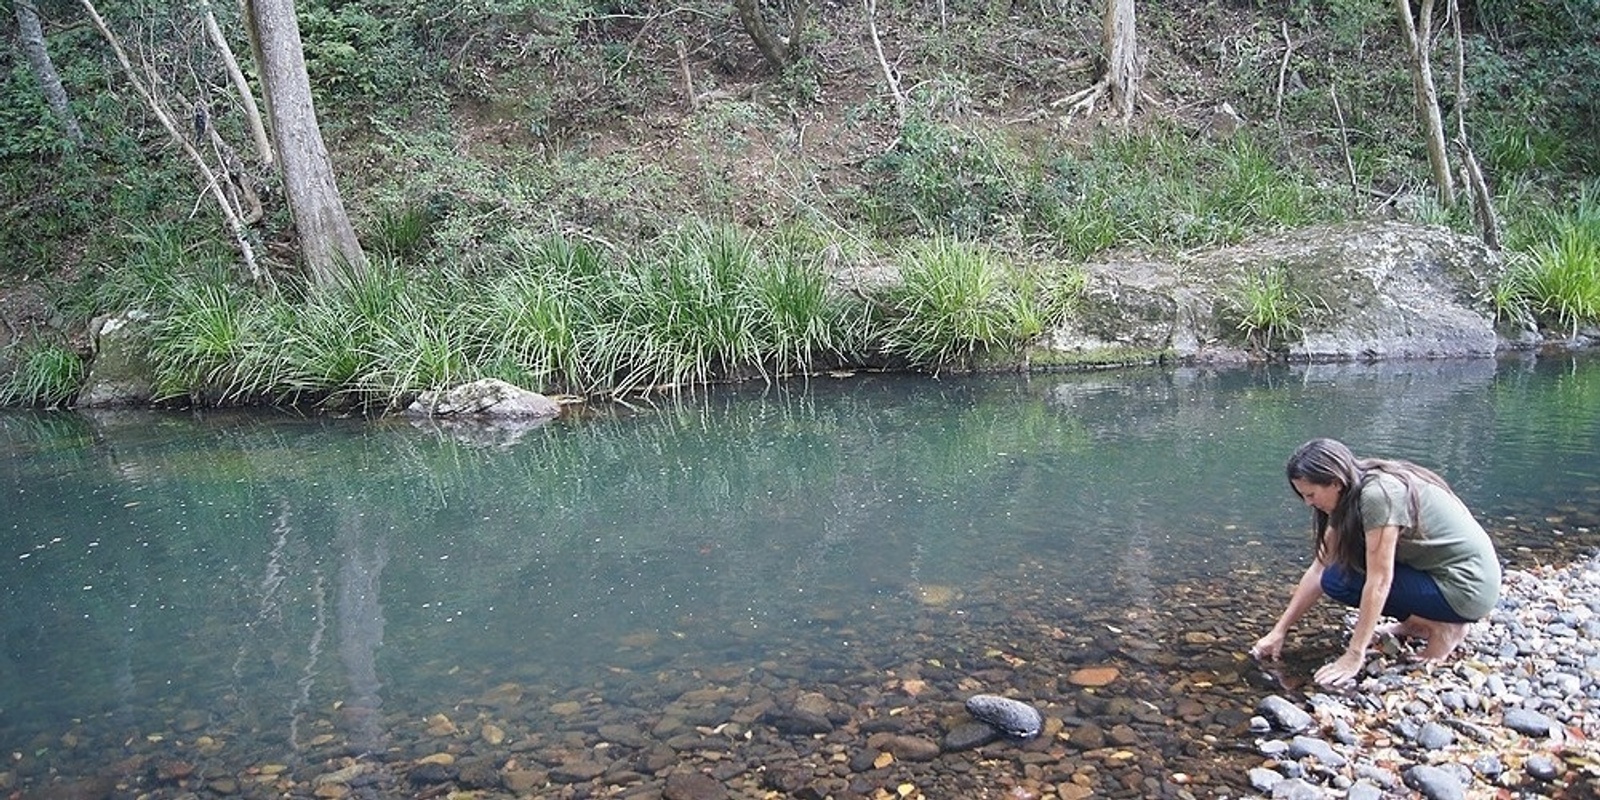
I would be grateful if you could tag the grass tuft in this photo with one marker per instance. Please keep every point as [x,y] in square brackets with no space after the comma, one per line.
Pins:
[1269,309]
[45,376]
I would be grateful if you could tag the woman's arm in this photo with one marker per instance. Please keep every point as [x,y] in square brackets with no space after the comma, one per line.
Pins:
[1306,594]
[1380,576]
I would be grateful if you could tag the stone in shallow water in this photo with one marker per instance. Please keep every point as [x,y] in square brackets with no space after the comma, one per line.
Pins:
[1093,676]
[968,736]
[1284,714]
[693,786]
[1012,718]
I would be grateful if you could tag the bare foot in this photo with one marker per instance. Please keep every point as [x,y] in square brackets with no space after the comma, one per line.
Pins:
[1409,628]
[1442,640]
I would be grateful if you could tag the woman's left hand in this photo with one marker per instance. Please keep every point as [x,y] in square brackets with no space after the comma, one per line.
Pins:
[1342,670]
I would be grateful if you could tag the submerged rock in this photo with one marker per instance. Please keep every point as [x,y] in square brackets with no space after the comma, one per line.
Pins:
[1012,718]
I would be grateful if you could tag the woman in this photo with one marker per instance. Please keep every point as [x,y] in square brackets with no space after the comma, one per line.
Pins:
[1391,539]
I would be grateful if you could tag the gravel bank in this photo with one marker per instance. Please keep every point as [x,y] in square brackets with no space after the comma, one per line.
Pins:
[1515,714]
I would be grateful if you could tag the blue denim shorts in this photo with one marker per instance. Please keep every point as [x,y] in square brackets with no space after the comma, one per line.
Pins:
[1413,593]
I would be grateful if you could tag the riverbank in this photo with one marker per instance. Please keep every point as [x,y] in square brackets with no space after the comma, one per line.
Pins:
[1514,714]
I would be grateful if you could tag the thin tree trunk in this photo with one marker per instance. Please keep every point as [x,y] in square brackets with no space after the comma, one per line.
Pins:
[1482,199]
[327,239]
[871,9]
[1417,32]
[247,98]
[30,33]
[1122,57]
[213,184]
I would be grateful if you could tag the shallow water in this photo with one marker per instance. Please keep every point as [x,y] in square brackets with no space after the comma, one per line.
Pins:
[170,575]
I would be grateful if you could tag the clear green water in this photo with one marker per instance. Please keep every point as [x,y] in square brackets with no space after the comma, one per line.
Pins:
[181,574]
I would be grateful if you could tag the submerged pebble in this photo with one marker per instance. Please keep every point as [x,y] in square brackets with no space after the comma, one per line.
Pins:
[1012,718]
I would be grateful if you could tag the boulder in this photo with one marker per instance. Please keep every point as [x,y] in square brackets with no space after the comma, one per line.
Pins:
[119,372]
[1369,290]
[487,398]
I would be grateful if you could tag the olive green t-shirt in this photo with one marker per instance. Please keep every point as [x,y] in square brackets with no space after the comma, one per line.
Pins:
[1448,544]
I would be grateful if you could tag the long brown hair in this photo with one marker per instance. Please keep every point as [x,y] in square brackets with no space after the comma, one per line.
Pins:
[1327,462]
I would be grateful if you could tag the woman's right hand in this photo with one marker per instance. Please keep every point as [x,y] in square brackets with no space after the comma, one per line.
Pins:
[1269,648]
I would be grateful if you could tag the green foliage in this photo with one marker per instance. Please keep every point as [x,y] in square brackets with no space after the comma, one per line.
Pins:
[800,320]
[1164,187]
[1269,310]
[45,375]
[685,307]
[940,178]
[1534,74]
[198,342]
[354,54]
[421,343]
[403,231]
[1562,278]
[534,312]
[956,300]
[1554,256]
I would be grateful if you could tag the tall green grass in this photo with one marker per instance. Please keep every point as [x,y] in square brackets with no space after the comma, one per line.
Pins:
[1556,277]
[702,304]
[957,301]
[45,375]
[1268,309]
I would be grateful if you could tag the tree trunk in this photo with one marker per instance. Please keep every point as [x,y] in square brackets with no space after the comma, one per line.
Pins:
[780,52]
[1482,198]
[30,33]
[1418,32]
[327,239]
[247,99]
[1122,57]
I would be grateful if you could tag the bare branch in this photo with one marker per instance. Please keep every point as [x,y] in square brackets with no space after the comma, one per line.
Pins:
[871,7]
[235,225]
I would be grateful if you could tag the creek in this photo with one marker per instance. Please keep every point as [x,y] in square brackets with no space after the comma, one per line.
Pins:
[236,589]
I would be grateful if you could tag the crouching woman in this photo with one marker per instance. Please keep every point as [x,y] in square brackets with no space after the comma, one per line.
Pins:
[1391,539]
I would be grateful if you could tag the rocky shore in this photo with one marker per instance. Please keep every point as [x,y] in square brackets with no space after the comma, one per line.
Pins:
[1515,714]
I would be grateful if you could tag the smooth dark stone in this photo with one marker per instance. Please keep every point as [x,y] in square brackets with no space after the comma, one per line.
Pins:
[1434,736]
[693,786]
[430,773]
[968,736]
[795,722]
[1434,783]
[1303,746]
[1285,715]
[1012,718]
[1542,767]
[1528,722]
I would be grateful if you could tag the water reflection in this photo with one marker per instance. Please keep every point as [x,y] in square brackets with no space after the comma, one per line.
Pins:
[288,579]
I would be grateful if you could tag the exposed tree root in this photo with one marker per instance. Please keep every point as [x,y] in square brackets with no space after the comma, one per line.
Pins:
[1083,101]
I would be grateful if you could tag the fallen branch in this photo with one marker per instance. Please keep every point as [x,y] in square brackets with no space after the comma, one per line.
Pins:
[1283,69]
[688,78]
[1344,140]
